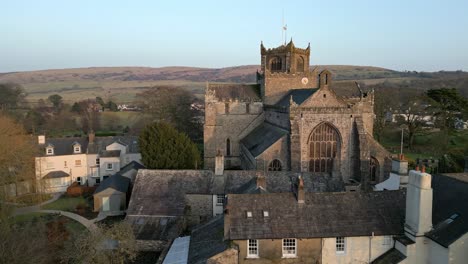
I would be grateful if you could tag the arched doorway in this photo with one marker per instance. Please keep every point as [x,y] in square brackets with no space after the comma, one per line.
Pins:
[323,148]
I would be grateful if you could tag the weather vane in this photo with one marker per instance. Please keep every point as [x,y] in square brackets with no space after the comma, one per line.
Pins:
[284,30]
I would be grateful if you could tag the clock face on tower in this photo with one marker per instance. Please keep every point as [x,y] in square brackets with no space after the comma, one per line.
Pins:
[305,81]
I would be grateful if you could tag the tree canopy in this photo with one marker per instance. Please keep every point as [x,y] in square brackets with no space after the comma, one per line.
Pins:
[56,100]
[10,95]
[447,105]
[163,147]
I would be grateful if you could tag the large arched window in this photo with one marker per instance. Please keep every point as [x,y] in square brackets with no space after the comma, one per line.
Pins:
[228,147]
[374,169]
[276,64]
[275,165]
[324,144]
[300,64]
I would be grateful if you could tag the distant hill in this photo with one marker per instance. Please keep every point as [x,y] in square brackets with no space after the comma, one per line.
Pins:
[122,83]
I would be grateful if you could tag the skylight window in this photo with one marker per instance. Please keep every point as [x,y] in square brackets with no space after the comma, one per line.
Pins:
[249,214]
[266,214]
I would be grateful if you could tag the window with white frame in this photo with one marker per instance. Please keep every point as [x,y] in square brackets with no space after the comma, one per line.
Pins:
[219,199]
[387,240]
[50,164]
[50,151]
[77,163]
[289,247]
[252,248]
[340,245]
[110,166]
[77,149]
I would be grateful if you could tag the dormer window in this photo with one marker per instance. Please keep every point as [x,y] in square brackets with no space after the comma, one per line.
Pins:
[76,148]
[50,151]
[249,214]
[266,214]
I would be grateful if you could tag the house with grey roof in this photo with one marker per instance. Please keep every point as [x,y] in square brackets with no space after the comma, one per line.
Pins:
[111,195]
[88,161]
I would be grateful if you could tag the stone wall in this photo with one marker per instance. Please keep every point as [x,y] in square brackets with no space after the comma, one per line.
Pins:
[233,124]
[279,150]
[271,251]
[276,85]
[229,256]
[200,208]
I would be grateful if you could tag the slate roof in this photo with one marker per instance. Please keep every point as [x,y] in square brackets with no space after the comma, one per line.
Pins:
[207,240]
[56,174]
[162,192]
[133,165]
[262,137]
[393,256]
[322,215]
[235,91]
[64,146]
[298,96]
[116,182]
[109,153]
[450,199]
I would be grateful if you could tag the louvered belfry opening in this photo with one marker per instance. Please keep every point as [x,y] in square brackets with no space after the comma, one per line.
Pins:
[324,144]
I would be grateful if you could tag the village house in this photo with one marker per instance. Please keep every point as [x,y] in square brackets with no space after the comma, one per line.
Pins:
[87,161]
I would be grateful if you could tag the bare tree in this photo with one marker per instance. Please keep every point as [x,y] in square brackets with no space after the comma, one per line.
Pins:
[115,244]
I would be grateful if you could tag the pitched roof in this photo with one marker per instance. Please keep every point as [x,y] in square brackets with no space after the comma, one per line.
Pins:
[449,208]
[207,240]
[64,146]
[56,174]
[235,91]
[322,215]
[109,153]
[133,165]
[393,256]
[262,137]
[298,96]
[162,192]
[116,182]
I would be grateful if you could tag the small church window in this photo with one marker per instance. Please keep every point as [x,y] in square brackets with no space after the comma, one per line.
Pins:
[276,64]
[226,108]
[247,108]
[326,79]
[228,147]
[275,165]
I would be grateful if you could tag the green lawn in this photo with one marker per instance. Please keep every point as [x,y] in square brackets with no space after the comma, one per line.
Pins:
[66,203]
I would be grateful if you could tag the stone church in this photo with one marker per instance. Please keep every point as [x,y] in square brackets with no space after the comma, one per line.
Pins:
[292,119]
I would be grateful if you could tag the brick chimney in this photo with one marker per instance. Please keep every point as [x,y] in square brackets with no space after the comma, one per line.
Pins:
[300,191]
[261,180]
[418,203]
[41,139]
[91,136]
[219,163]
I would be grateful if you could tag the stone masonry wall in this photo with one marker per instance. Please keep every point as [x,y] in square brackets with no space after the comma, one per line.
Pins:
[232,124]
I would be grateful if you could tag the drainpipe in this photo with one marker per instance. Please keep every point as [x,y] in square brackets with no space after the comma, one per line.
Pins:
[370,247]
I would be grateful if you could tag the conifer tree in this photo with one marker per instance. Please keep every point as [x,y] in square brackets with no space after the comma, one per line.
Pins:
[163,147]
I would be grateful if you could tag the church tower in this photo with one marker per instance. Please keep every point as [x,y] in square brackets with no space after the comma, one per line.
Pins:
[282,69]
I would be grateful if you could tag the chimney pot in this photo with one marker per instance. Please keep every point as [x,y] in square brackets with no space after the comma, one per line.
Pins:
[91,136]
[41,139]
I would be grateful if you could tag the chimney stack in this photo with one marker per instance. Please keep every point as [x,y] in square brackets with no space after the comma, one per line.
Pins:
[300,191]
[219,163]
[41,139]
[261,180]
[418,203]
[91,136]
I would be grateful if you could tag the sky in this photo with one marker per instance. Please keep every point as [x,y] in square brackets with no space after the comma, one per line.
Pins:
[398,34]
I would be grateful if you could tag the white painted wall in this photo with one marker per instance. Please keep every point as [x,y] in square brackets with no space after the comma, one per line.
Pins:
[357,250]
[458,251]
[64,163]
